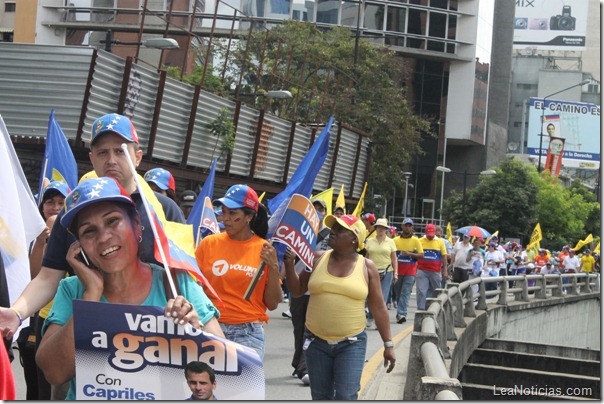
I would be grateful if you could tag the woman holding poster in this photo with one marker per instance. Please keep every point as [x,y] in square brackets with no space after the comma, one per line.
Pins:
[230,259]
[339,284]
[107,227]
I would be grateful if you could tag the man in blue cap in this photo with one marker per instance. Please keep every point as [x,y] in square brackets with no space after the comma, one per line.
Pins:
[108,160]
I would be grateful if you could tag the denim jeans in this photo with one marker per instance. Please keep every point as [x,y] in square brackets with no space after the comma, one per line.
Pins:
[335,370]
[386,283]
[404,286]
[427,283]
[248,334]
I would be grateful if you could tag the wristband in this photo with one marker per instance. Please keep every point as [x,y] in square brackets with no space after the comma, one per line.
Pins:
[388,344]
[18,315]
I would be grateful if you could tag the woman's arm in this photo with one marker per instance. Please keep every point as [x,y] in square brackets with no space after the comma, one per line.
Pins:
[296,283]
[394,263]
[38,293]
[37,252]
[380,313]
[56,353]
[272,293]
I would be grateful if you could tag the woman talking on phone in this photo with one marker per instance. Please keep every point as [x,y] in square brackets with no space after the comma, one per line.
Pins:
[103,218]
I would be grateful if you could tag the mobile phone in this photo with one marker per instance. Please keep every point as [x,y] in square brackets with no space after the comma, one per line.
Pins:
[84,258]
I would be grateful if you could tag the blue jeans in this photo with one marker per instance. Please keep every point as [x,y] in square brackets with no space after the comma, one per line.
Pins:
[404,286]
[248,334]
[335,370]
[386,283]
[427,283]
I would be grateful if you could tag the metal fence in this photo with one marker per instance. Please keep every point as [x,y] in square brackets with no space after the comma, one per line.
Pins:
[171,118]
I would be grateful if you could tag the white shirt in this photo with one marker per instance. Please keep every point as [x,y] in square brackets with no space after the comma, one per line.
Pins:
[461,253]
[571,263]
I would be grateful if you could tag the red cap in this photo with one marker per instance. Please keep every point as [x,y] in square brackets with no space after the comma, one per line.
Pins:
[430,229]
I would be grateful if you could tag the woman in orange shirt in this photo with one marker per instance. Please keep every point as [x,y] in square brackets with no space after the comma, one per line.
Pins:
[230,259]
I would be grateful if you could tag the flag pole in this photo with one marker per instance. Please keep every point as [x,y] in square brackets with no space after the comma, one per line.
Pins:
[151,221]
[41,185]
[250,289]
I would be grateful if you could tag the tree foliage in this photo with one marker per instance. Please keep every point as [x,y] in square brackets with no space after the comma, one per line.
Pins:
[517,198]
[318,66]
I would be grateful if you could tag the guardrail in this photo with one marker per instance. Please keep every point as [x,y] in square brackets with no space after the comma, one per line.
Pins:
[427,374]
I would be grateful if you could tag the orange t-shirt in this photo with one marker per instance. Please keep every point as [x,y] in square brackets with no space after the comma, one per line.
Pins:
[229,266]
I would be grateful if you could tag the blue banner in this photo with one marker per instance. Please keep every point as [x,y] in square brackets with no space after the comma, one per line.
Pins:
[126,352]
[298,228]
[59,163]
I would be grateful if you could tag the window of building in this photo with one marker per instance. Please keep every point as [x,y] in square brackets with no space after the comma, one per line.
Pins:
[350,12]
[438,25]
[374,16]
[10,7]
[396,19]
[327,11]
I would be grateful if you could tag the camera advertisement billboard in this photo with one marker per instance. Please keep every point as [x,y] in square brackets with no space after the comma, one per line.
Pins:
[550,25]
[576,123]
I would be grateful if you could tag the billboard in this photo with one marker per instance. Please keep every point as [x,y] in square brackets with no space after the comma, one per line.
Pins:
[577,123]
[550,25]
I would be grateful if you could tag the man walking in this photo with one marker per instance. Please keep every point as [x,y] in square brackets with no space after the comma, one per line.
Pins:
[408,251]
[461,266]
[430,267]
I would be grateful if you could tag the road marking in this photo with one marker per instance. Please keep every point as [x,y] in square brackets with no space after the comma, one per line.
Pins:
[378,359]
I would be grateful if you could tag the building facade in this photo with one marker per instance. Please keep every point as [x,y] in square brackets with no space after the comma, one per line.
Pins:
[447,43]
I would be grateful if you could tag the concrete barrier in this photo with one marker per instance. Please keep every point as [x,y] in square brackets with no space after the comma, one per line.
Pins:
[453,327]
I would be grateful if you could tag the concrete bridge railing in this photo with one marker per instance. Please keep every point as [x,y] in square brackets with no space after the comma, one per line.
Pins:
[429,369]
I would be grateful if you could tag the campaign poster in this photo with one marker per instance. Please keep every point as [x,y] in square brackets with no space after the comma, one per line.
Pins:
[551,25]
[298,228]
[209,223]
[577,123]
[127,352]
[553,162]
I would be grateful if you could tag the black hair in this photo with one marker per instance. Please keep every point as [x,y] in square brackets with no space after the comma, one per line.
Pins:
[200,367]
[51,193]
[259,223]
[172,195]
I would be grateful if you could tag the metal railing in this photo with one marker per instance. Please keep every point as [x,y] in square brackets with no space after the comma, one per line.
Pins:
[427,374]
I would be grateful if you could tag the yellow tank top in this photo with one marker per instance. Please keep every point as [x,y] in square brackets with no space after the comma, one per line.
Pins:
[336,308]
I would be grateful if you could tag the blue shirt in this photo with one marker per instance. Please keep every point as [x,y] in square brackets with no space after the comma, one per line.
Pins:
[71,289]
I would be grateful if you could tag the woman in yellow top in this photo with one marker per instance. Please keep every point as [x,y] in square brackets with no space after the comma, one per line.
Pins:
[230,259]
[339,284]
[382,251]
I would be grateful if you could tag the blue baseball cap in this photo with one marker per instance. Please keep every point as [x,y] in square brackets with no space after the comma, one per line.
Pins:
[408,221]
[162,178]
[239,196]
[115,123]
[90,192]
[55,187]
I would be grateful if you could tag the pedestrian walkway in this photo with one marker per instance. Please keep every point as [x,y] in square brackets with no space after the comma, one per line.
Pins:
[376,384]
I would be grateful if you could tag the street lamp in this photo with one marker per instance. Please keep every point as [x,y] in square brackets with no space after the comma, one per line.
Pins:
[463,198]
[155,43]
[541,135]
[442,190]
[407,175]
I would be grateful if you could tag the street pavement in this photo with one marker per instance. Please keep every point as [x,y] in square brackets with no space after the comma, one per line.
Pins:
[280,385]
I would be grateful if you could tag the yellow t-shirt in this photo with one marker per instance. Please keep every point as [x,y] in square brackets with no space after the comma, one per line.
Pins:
[587,263]
[380,253]
[229,266]
[336,308]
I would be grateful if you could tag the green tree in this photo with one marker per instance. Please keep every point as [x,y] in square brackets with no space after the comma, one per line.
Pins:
[517,198]
[561,213]
[317,65]
[504,202]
